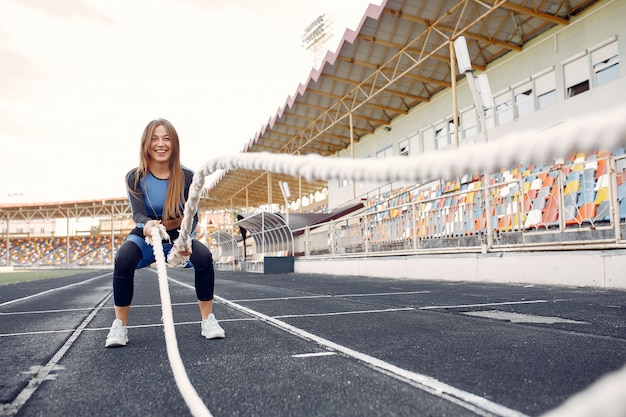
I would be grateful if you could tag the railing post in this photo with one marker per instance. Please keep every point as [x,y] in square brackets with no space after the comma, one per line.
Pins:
[614,198]
[489,230]
[332,237]
[307,244]
[561,188]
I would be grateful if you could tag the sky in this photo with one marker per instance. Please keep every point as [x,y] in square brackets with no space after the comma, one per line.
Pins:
[80,79]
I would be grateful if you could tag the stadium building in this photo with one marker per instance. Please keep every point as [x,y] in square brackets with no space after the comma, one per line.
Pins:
[394,89]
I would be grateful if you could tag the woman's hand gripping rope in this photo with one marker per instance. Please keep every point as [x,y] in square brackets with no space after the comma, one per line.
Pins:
[179,255]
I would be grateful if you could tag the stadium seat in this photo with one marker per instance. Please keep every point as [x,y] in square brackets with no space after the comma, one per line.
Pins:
[603,213]
[601,169]
[533,219]
[586,196]
[550,215]
[570,199]
[622,209]
[618,151]
[570,213]
[586,213]
[602,195]
[603,181]
[572,187]
[548,181]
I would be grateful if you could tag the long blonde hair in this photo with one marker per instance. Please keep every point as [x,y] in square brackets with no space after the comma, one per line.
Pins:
[175,197]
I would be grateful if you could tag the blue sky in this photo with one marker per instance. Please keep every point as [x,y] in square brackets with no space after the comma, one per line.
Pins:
[80,79]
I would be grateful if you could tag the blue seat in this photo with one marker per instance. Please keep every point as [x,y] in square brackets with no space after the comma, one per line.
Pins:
[570,199]
[573,176]
[570,213]
[586,196]
[603,213]
[618,151]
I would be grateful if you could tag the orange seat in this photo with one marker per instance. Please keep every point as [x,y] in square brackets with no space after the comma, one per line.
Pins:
[548,181]
[586,212]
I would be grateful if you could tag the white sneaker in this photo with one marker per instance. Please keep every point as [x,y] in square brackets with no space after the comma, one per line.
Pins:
[118,335]
[211,329]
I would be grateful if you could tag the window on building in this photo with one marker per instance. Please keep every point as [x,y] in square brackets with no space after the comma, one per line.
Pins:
[469,123]
[545,86]
[577,76]
[428,139]
[504,108]
[414,144]
[605,64]
[405,147]
[441,135]
[384,153]
[524,99]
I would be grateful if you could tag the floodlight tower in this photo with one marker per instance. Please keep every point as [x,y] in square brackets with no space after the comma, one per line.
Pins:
[315,37]
[479,86]
[483,101]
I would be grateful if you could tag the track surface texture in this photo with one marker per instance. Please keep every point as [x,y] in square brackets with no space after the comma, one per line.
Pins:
[308,345]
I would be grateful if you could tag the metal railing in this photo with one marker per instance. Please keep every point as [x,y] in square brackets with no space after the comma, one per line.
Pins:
[576,205]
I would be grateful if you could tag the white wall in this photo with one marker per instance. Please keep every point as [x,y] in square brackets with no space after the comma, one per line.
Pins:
[601,269]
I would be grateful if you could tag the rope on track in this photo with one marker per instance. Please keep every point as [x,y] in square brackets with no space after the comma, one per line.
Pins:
[191,397]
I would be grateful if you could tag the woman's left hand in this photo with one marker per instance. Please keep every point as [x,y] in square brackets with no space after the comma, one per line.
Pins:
[185,252]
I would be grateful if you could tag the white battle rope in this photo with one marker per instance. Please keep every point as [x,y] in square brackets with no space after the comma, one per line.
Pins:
[602,130]
[191,397]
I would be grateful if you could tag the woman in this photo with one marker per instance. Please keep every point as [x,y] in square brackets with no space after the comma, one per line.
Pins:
[157,191]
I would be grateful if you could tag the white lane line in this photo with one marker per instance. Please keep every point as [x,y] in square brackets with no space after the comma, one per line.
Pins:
[36,333]
[98,329]
[305,297]
[300,297]
[378,294]
[61,310]
[343,313]
[313,355]
[53,290]
[506,303]
[426,383]
[70,310]
[14,407]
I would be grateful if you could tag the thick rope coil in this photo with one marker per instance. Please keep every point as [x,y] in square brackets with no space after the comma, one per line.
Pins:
[189,394]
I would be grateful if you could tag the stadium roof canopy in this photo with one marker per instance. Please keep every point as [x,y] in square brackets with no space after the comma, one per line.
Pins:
[398,58]
[114,207]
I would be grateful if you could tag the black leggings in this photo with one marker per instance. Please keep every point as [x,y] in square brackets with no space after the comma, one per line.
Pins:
[129,256]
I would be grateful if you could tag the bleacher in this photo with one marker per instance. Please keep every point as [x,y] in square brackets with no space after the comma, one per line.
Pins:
[53,251]
[564,201]
[522,198]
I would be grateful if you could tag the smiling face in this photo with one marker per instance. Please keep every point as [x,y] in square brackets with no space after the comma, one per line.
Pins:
[160,145]
[160,148]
